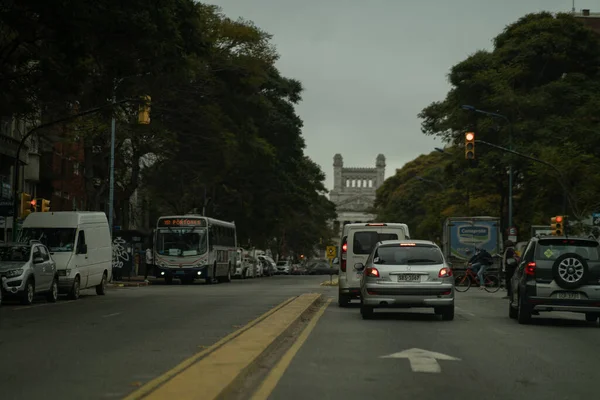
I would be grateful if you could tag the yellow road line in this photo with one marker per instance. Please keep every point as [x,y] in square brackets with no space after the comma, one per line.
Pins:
[271,381]
[210,376]
[156,382]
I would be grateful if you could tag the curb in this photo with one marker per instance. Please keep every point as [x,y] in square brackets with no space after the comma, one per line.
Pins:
[129,284]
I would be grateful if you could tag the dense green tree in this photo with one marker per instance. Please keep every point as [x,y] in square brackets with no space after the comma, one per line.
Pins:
[542,75]
[224,135]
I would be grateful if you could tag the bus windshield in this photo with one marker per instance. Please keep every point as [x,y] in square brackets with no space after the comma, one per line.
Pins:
[181,241]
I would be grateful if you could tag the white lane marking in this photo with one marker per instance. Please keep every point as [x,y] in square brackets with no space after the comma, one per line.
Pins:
[111,315]
[462,310]
[423,360]
[43,305]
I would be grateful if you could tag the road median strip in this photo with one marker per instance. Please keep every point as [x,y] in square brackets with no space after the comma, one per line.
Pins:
[211,372]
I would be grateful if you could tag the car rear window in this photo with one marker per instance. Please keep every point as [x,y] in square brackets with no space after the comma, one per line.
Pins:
[364,242]
[404,255]
[551,249]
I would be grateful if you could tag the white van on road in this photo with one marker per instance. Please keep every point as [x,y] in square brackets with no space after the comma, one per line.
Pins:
[357,243]
[80,244]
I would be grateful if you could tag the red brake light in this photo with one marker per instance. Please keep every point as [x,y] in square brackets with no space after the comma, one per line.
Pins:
[373,272]
[530,269]
[445,272]
[408,244]
[343,258]
[376,225]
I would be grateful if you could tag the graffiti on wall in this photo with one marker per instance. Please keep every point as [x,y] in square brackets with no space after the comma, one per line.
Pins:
[119,253]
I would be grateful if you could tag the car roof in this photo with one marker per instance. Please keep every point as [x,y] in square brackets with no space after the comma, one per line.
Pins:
[386,242]
[580,238]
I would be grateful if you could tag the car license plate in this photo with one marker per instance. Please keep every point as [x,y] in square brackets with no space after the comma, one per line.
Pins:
[569,295]
[180,272]
[409,278]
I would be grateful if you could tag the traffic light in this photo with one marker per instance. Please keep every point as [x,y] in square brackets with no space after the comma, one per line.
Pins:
[26,205]
[45,206]
[557,225]
[144,111]
[470,145]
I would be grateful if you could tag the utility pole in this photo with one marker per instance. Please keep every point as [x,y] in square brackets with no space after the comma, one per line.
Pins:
[111,185]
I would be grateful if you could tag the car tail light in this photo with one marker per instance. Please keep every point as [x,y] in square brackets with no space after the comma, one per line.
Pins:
[344,255]
[530,269]
[372,272]
[445,273]
[376,225]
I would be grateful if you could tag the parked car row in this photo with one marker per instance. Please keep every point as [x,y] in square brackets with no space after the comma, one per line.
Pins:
[57,253]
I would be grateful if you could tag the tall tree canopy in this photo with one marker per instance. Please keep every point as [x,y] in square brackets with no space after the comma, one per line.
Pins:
[224,134]
[543,76]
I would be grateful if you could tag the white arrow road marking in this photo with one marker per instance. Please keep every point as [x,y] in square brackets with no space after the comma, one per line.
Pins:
[423,360]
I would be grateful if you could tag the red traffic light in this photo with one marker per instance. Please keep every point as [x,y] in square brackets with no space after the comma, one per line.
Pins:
[469,136]
[559,219]
[33,202]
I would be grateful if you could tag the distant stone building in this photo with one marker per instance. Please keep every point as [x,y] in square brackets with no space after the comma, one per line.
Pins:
[354,191]
[589,19]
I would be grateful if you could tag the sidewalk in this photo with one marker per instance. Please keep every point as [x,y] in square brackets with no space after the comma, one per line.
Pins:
[133,281]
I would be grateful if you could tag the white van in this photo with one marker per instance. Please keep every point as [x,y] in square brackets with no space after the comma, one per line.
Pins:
[79,243]
[358,240]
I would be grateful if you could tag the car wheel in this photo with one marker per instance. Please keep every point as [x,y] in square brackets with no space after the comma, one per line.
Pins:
[513,313]
[523,312]
[589,317]
[447,313]
[101,287]
[343,300]
[75,289]
[29,293]
[367,312]
[53,293]
[570,271]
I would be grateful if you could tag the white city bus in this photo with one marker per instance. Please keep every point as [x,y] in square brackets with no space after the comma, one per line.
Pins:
[191,247]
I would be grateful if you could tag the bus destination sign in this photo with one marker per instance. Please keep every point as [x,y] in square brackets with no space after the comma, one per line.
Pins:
[179,222]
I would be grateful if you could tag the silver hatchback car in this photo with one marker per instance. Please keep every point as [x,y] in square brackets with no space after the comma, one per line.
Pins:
[406,274]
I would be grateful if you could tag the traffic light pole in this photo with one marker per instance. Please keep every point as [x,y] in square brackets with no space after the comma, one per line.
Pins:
[510,167]
[558,171]
[15,189]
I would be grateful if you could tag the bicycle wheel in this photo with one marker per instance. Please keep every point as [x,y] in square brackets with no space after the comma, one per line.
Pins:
[492,284]
[462,283]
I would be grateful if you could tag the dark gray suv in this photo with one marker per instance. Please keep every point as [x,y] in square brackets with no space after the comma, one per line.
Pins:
[557,274]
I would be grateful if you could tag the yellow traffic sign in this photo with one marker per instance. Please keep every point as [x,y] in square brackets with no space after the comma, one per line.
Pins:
[331,250]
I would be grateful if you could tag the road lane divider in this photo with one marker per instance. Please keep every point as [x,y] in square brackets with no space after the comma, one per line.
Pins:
[273,378]
[210,372]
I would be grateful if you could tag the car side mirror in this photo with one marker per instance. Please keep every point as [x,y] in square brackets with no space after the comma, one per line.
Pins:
[38,260]
[359,266]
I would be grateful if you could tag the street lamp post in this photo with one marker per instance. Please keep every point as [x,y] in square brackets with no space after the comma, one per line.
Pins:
[510,167]
[111,179]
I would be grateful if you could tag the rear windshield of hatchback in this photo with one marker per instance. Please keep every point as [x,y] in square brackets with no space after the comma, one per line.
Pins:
[551,249]
[405,255]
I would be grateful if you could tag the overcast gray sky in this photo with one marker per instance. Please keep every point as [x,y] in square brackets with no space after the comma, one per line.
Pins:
[369,67]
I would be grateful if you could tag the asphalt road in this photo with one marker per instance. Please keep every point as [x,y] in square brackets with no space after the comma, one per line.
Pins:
[103,347]
[557,357]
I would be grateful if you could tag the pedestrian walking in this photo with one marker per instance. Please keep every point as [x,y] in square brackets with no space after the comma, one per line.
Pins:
[149,262]
[510,262]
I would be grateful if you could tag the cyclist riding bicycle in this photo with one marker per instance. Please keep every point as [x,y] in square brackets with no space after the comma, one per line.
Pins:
[480,262]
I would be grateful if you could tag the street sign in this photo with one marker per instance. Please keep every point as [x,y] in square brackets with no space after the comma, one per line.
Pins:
[596,219]
[331,250]
[423,360]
